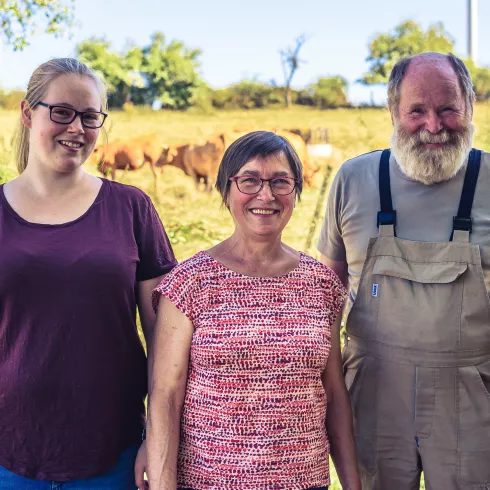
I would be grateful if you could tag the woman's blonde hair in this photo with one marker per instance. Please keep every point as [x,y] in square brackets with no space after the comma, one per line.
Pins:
[37,88]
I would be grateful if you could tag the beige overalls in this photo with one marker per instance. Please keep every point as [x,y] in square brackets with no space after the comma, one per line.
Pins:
[417,356]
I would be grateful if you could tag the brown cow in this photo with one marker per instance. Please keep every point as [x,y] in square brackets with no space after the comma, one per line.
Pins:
[309,168]
[200,160]
[173,155]
[129,155]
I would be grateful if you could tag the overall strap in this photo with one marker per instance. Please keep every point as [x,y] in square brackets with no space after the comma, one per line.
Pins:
[386,220]
[462,223]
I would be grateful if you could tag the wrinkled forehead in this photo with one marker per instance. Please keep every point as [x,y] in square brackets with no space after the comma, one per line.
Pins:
[427,83]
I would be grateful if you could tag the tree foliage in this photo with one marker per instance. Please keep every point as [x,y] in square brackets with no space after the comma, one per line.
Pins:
[120,71]
[325,93]
[406,39]
[10,99]
[17,19]
[481,79]
[170,71]
[330,92]
[160,71]
[247,94]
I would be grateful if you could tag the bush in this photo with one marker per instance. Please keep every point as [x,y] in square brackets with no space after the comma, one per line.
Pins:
[202,98]
[128,107]
[247,94]
[10,99]
[480,76]
[305,97]
[329,92]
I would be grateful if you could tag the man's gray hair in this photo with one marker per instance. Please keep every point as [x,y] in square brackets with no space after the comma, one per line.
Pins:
[401,67]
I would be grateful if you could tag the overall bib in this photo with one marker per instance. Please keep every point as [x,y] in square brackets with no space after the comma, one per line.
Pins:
[417,355]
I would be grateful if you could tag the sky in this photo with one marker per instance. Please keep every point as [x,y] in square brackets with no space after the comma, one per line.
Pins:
[243,39]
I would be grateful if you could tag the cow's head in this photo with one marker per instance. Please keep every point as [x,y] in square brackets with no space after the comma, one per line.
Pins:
[169,153]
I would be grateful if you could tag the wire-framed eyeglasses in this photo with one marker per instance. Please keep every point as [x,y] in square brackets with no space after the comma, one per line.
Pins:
[65,115]
[281,186]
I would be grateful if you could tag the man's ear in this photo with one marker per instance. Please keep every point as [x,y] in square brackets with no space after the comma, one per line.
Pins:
[392,117]
[26,114]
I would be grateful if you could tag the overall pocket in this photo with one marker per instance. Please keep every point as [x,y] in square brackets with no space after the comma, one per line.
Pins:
[419,303]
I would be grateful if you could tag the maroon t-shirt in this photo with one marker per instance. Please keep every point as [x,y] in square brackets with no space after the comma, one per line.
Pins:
[72,367]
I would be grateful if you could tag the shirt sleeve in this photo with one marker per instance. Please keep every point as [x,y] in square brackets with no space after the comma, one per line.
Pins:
[180,287]
[154,248]
[330,242]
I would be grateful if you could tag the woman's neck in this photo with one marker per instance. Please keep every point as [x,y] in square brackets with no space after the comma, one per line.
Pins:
[50,183]
[255,256]
[253,250]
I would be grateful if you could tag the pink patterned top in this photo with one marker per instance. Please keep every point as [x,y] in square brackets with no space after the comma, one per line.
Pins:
[254,411]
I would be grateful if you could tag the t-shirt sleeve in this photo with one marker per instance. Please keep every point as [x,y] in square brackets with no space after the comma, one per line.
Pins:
[180,287]
[335,294]
[156,256]
[330,242]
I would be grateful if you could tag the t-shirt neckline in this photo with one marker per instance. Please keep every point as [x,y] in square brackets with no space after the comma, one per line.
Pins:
[283,276]
[23,221]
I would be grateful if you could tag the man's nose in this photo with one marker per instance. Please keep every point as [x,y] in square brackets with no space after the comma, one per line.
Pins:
[433,123]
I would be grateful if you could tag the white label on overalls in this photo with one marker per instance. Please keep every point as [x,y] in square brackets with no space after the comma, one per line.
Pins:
[375,290]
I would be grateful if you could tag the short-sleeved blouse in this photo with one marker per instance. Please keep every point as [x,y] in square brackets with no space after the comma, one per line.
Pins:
[255,407]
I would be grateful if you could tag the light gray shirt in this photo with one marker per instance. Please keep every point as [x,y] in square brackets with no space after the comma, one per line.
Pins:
[424,213]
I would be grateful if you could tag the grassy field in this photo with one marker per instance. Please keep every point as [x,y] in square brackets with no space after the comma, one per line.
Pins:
[195,221]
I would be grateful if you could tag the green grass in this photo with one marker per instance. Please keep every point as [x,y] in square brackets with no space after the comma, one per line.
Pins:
[195,221]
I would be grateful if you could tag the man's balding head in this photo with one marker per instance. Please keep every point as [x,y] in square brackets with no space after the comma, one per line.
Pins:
[420,66]
[431,104]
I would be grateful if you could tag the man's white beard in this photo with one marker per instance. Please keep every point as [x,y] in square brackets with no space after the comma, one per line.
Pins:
[431,165]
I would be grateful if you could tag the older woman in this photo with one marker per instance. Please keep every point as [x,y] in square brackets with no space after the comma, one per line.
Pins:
[239,372]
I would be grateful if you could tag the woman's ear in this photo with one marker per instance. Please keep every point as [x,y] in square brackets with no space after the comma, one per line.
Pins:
[26,114]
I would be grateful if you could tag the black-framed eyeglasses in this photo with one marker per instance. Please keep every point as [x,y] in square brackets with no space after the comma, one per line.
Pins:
[281,186]
[64,115]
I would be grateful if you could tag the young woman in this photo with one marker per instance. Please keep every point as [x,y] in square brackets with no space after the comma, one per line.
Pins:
[78,255]
[239,378]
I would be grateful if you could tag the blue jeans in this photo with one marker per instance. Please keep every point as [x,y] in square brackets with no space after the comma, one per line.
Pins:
[120,477]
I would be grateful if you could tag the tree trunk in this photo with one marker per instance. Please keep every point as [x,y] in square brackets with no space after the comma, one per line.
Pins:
[287,98]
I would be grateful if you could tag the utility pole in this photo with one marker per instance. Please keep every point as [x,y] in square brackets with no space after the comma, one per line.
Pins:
[473,30]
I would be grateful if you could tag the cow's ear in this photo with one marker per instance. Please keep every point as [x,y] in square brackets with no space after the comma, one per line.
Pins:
[165,147]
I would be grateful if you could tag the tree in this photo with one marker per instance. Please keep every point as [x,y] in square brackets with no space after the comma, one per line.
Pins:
[481,79]
[160,71]
[247,94]
[170,72]
[120,71]
[17,19]
[290,63]
[329,92]
[406,39]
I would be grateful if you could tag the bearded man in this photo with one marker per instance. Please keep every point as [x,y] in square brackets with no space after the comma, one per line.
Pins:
[409,231]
